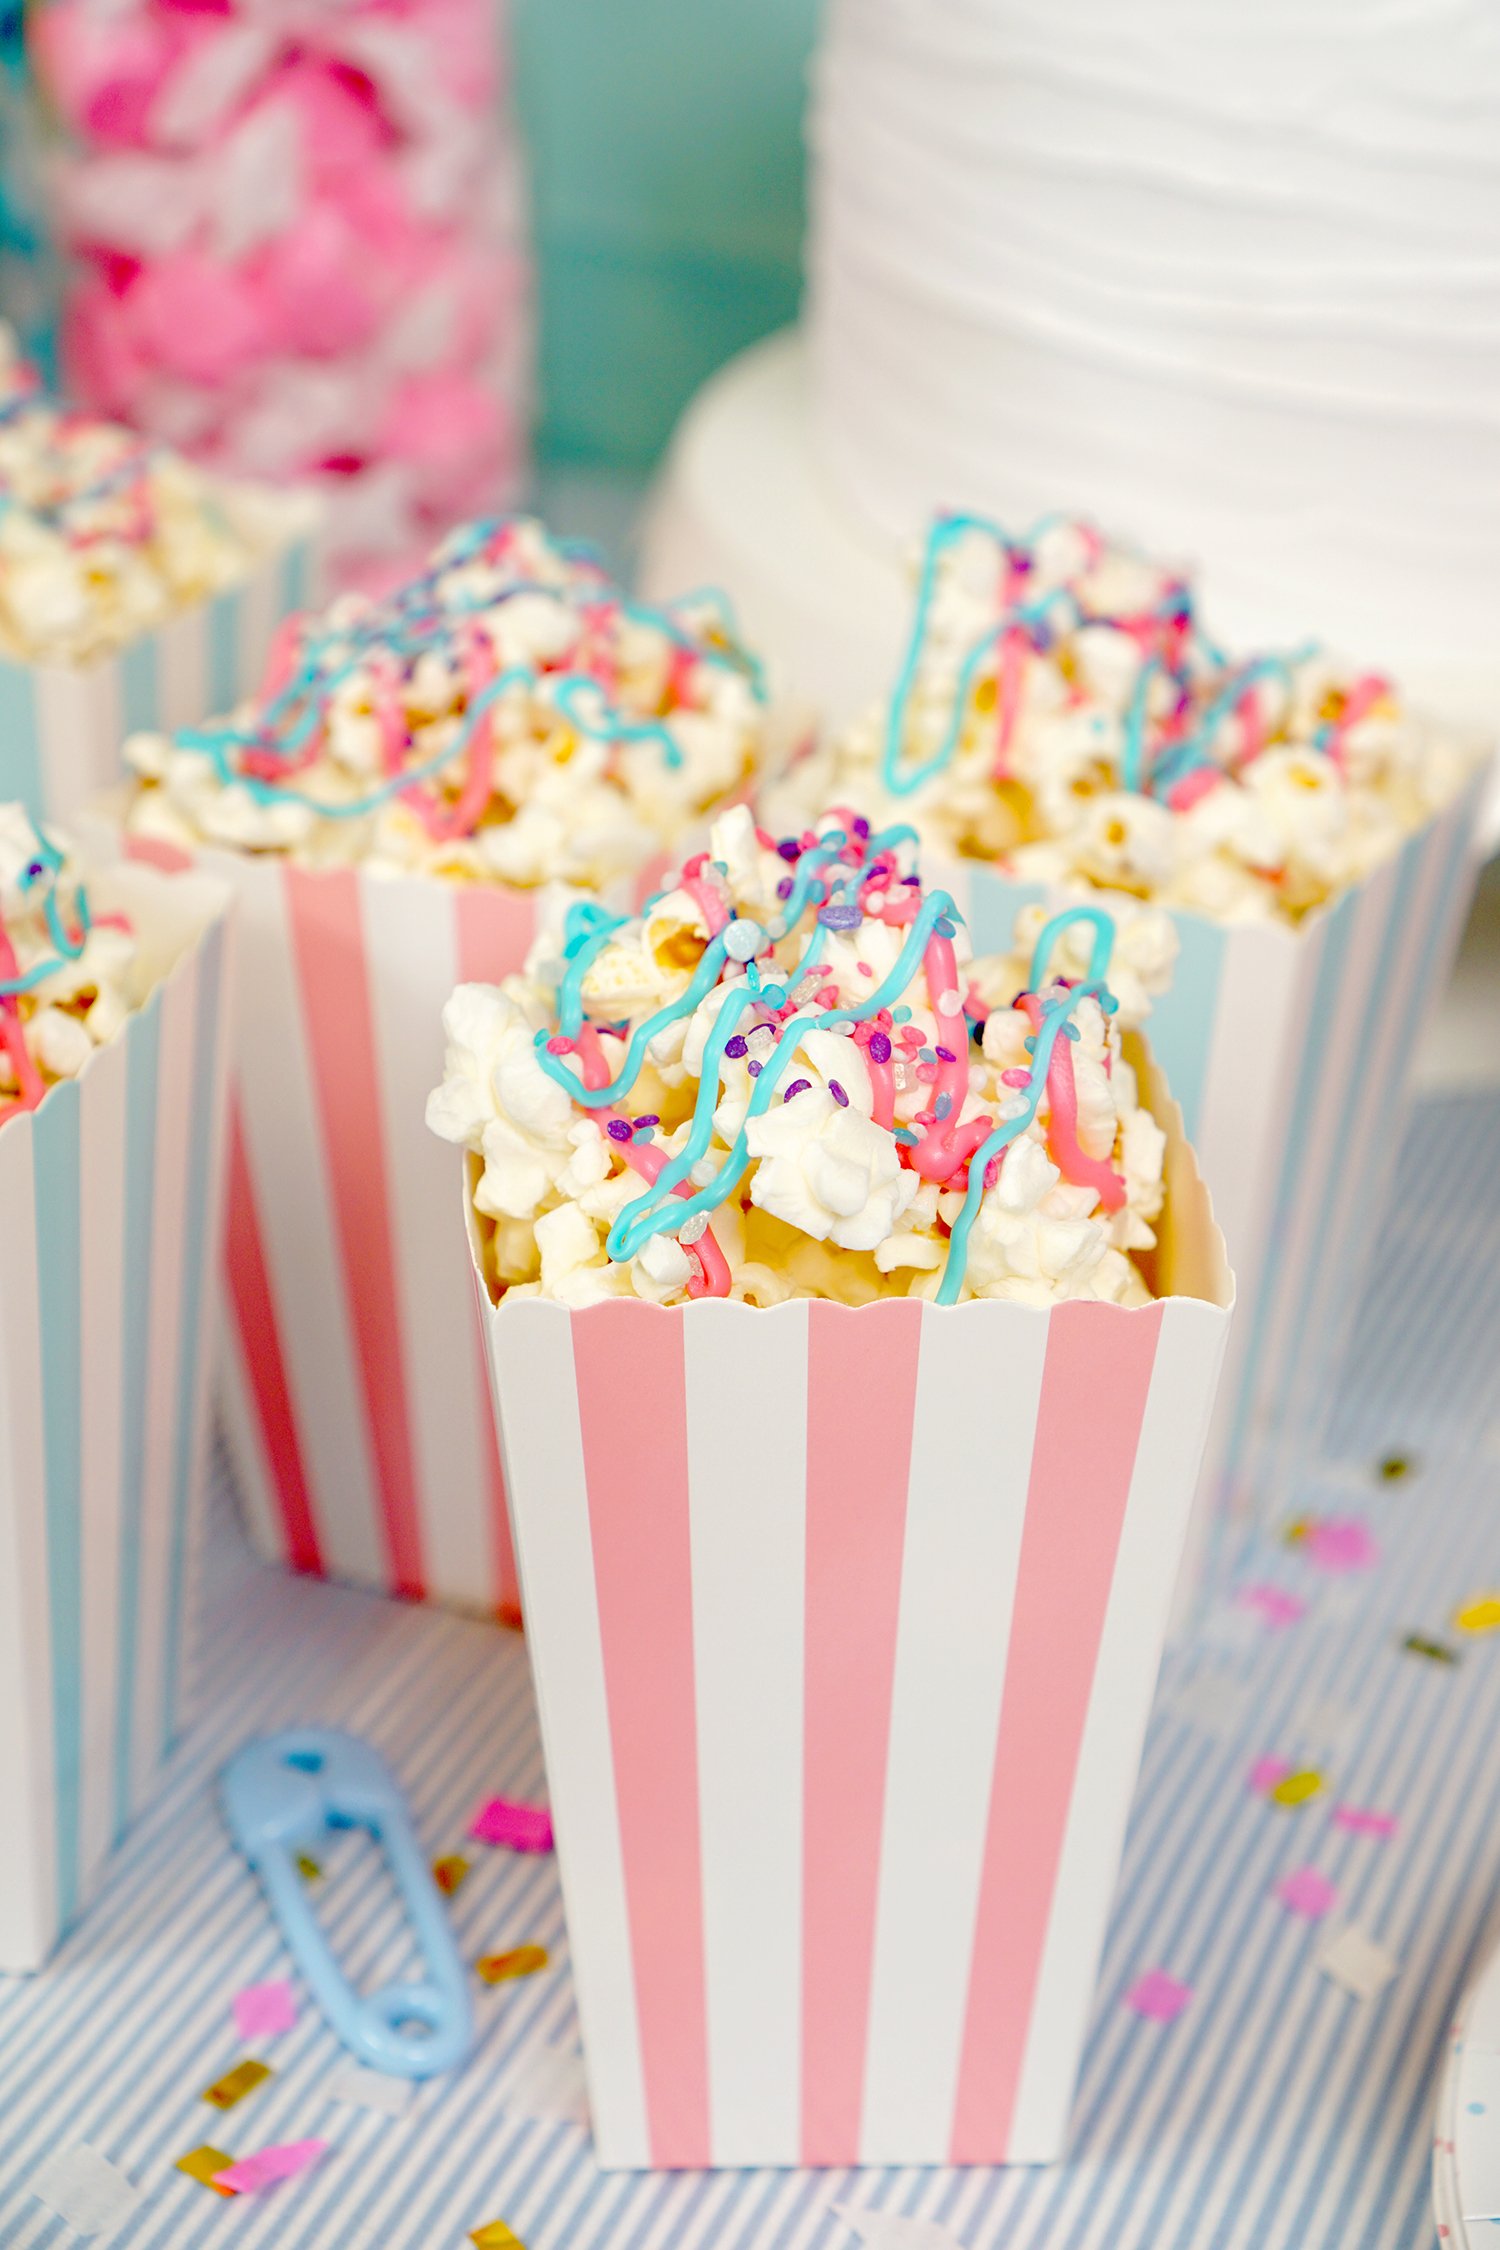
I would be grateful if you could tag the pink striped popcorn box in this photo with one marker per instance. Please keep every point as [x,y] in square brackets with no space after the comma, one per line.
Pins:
[353,1387]
[845,1626]
[1289,1050]
[62,726]
[110,1198]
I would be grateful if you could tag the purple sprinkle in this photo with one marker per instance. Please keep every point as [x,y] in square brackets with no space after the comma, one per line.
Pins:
[785,887]
[860,826]
[617,1129]
[789,848]
[945,1054]
[754,1069]
[644,1124]
[912,882]
[880,1047]
[838,1093]
[798,1086]
[840,916]
[736,1048]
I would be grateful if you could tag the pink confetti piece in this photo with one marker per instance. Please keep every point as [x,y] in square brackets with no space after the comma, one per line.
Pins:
[1273,1604]
[1361,1820]
[1340,1543]
[1158,1996]
[268,2165]
[1266,1773]
[262,2011]
[1307,1891]
[518,1828]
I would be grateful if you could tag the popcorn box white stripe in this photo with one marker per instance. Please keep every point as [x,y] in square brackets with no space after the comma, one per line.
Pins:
[845,1626]
[1289,1050]
[62,726]
[101,1414]
[358,1410]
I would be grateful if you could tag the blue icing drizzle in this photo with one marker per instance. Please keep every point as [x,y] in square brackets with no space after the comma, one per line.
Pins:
[47,861]
[411,624]
[659,1209]
[1140,773]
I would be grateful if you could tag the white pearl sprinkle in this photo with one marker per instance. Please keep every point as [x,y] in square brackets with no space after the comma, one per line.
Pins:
[743,939]
[949,1002]
[693,1229]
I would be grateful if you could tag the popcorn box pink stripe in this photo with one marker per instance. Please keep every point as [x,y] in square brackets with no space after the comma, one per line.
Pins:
[359,1415]
[110,1196]
[845,1626]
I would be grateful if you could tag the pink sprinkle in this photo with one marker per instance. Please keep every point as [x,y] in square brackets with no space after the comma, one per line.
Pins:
[1276,1607]
[559,1046]
[268,2165]
[928,1073]
[519,1828]
[261,2011]
[1358,1821]
[910,1036]
[1155,1995]
[1266,1772]
[1307,1891]
[1340,1543]
[1015,1077]
[864,968]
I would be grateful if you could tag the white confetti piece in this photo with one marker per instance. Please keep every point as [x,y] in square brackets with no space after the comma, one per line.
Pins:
[1354,1960]
[1325,1725]
[86,2191]
[890,2230]
[1213,1702]
[371,2089]
[549,2083]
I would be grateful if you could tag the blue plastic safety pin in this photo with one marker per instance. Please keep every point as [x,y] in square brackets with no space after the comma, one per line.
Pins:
[280,1799]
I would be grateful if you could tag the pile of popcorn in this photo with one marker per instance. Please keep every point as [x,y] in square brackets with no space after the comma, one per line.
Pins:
[1061,711]
[103,538]
[787,1078]
[68,978]
[297,237]
[508,715]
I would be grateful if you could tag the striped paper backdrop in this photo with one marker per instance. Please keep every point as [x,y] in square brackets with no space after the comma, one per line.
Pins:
[1289,1053]
[109,1202]
[357,1403]
[62,725]
[845,1626]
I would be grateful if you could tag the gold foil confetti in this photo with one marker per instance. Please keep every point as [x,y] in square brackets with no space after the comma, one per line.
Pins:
[309,1869]
[203,2163]
[1297,1788]
[522,1961]
[1394,1467]
[496,2236]
[236,2084]
[1297,1530]
[1482,1615]
[1436,1652]
[449,1873]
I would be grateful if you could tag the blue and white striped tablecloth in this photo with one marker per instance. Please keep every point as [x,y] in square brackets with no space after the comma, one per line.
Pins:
[1277,2113]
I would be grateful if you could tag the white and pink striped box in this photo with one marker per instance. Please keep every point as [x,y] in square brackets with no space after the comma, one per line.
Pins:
[353,1389]
[845,1626]
[1289,1051]
[110,1199]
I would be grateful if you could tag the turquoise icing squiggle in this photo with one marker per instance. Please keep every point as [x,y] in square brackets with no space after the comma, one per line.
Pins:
[48,860]
[409,625]
[1140,775]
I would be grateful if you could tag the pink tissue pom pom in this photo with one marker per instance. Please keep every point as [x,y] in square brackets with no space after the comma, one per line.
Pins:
[196,319]
[440,422]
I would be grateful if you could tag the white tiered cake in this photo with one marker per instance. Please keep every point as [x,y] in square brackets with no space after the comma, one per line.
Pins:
[1222,274]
